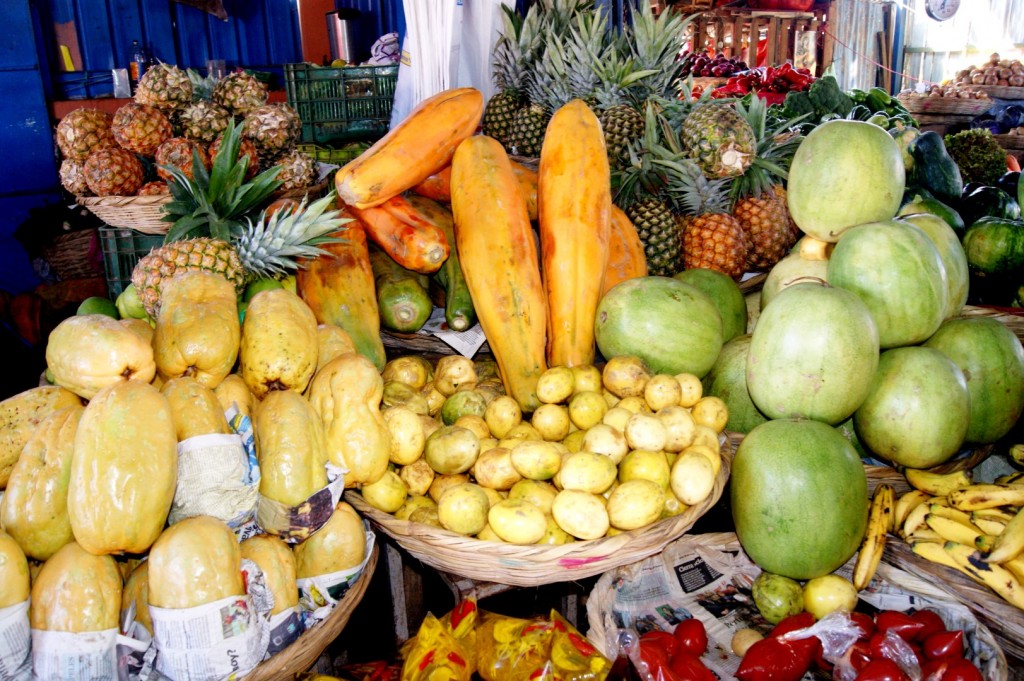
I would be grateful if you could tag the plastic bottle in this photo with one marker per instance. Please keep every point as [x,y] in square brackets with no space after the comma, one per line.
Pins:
[137,61]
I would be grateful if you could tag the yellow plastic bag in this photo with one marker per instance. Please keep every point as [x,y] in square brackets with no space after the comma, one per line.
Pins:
[512,649]
[573,658]
[435,655]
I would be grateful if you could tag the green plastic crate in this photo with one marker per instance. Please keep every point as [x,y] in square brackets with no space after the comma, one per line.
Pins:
[333,156]
[347,104]
[122,248]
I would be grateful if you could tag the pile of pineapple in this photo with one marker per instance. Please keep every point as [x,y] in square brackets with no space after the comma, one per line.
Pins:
[174,116]
[702,183]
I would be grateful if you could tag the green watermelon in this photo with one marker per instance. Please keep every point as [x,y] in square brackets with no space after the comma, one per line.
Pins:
[799,498]
[728,380]
[673,327]
[725,293]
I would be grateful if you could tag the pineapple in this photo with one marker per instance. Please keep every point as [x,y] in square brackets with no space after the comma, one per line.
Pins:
[154,189]
[83,131]
[204,121]
[298,170]
[72,177]
[178,152]
[760,202]
[527,132]
[655,42]
[712,237]
[164,86]
[141,128]
[246,149]
[273,128]
[621,121]
[113,171]
[512,57]
[719,139]
[240,93]
[219,226]
[644,192]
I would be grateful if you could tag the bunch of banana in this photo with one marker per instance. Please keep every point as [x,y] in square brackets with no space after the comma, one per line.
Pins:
[976,528]
[880,524]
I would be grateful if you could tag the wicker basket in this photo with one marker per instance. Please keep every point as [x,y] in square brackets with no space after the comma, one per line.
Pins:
[535,565]
[1003,619]
[1000,91]
[950,105]
[303,653]
[141,213]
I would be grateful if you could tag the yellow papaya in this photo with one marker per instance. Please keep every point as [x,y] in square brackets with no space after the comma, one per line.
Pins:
[291,448]
[194,562]
[197,329]
[339,545]
[346,394]
[332,341]
[19,417]
[277,562]
[13,572]
[279,343]
[141,328]
[195,409]
[233,390]
[136,590]
[124,469]
[34,509]
[76,591]
[87,353]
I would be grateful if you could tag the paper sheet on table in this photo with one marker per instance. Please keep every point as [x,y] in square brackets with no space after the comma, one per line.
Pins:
[15,643]
[466,343]
[61,655]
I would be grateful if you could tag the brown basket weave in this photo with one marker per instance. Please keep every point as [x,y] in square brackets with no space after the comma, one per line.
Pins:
[1006,621]
[303,653]
[950,105]
[141,213]
[535,565]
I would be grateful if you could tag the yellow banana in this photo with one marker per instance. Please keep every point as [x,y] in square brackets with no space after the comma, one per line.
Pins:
[1004,515]
[1016,567]
[915,520]
[996,577]
[936,484]
[962,517]
[907,503]
[952,530]
[1017,453]
[985,543]
[933,551]
[986,496]
[1010,542]
[1011,478]
[925,533]
[988,525]
[879,523]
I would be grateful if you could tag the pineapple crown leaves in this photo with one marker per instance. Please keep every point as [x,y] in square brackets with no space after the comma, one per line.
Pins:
[775,150]
[274,246]
[655,43]
[695,193]
[653,161]
[509,51]
[217,203]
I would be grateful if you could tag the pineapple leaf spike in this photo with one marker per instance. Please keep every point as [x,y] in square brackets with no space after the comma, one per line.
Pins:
[775,150]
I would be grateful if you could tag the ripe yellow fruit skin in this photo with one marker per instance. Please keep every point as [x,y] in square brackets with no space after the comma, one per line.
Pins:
[13,572]
[19,417]
[346,394]
[34,509]
[197,329]
[194,562]
[277,562]
[76,591]
[89,352]
[291,446]
[279,343]
[136,589]
[339,545]
[124,470]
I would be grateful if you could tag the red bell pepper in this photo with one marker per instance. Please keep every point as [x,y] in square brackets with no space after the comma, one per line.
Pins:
[901,624]
[944,644]
[691,636]
[881,669]
[772,660]
[932,623]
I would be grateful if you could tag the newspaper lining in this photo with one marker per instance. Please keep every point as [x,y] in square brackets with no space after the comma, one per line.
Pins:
[61,655]
[213,480]
[318,595]
[466,343]
[295,524]
[285,628]
[709,577]
[15,643]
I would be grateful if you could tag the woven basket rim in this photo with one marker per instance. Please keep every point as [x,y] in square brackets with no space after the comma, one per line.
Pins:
[304,651]
[534,565]
[142,213]
[916,103]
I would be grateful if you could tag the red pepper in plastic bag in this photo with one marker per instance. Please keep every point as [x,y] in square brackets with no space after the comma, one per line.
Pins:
[661,639]
[691,636]
[961,670]
[881,669]
[944,644]
[901,624]
[689,668]
[772,660]
[809,648]
[932,623]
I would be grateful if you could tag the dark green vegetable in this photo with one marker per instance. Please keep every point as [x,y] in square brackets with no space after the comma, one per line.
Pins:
[402,296]
[929,204]
[978,154]
[935,169]
[1009,182]
[988,202]
[458,305]
[995,257]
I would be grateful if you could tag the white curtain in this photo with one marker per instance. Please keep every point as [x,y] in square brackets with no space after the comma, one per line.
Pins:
[854,24]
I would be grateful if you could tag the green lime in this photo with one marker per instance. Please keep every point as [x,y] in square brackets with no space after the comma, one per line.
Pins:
[130,305]
[289,283]
[97,305]
[258,285]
